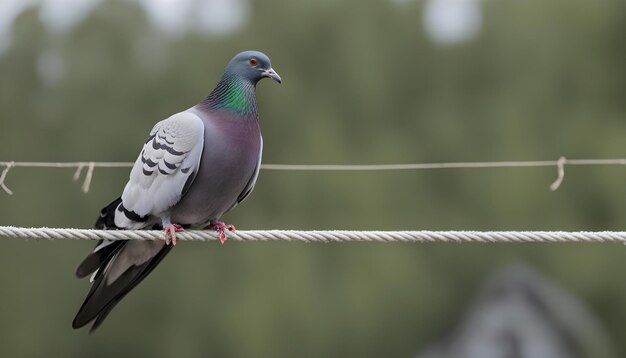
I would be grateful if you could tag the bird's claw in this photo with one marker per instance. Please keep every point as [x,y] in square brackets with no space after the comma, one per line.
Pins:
[171,230]
[220,227]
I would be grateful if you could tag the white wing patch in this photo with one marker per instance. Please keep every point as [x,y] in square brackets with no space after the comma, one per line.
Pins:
[165,168]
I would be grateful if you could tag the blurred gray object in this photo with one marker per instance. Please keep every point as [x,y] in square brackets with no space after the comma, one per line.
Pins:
[520,314]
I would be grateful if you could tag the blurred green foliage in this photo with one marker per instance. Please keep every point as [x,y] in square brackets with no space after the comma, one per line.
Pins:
[363,83]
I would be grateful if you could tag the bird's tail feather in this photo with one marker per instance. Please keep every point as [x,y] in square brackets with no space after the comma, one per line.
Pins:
[105,293]
[106,220]
[119,266]
[110,286]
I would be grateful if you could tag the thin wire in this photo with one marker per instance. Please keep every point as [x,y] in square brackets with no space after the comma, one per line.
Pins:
[449,165]
[351,167]
[322,236]
[68,164]
[560,164]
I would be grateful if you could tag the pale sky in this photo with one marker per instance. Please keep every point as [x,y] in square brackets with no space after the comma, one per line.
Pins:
[452,21]
[446,21]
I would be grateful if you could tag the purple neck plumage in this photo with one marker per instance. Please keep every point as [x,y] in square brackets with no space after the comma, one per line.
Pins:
[233,93]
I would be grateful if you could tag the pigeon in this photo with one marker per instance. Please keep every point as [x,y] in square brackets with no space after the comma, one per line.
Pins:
[194,167]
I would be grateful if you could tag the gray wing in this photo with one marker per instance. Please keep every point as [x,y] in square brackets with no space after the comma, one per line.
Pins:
[167,165]
[162,173]
[250,185]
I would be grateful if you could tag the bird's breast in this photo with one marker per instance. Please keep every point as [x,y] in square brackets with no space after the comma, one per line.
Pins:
[230,155]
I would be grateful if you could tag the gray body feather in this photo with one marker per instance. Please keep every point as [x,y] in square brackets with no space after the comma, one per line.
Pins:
[230,161]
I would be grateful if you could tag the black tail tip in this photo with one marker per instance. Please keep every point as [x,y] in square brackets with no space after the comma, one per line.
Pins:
[106,220]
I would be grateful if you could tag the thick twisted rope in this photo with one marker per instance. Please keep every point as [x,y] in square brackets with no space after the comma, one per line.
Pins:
[321,236]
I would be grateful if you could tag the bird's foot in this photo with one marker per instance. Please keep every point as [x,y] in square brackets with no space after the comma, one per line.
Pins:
[171,230]
[220,227]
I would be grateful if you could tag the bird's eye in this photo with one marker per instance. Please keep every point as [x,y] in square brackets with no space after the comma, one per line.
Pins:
[253,61]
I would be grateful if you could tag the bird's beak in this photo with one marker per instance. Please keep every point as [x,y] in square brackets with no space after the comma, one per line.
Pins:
[273,75]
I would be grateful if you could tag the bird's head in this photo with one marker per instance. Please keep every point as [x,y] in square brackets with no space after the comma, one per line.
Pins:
[253,66]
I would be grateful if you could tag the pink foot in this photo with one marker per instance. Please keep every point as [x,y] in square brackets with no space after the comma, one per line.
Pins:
[172,229]
[220,227]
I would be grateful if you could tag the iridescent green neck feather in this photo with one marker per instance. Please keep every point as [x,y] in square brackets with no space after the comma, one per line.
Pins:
[235,94]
